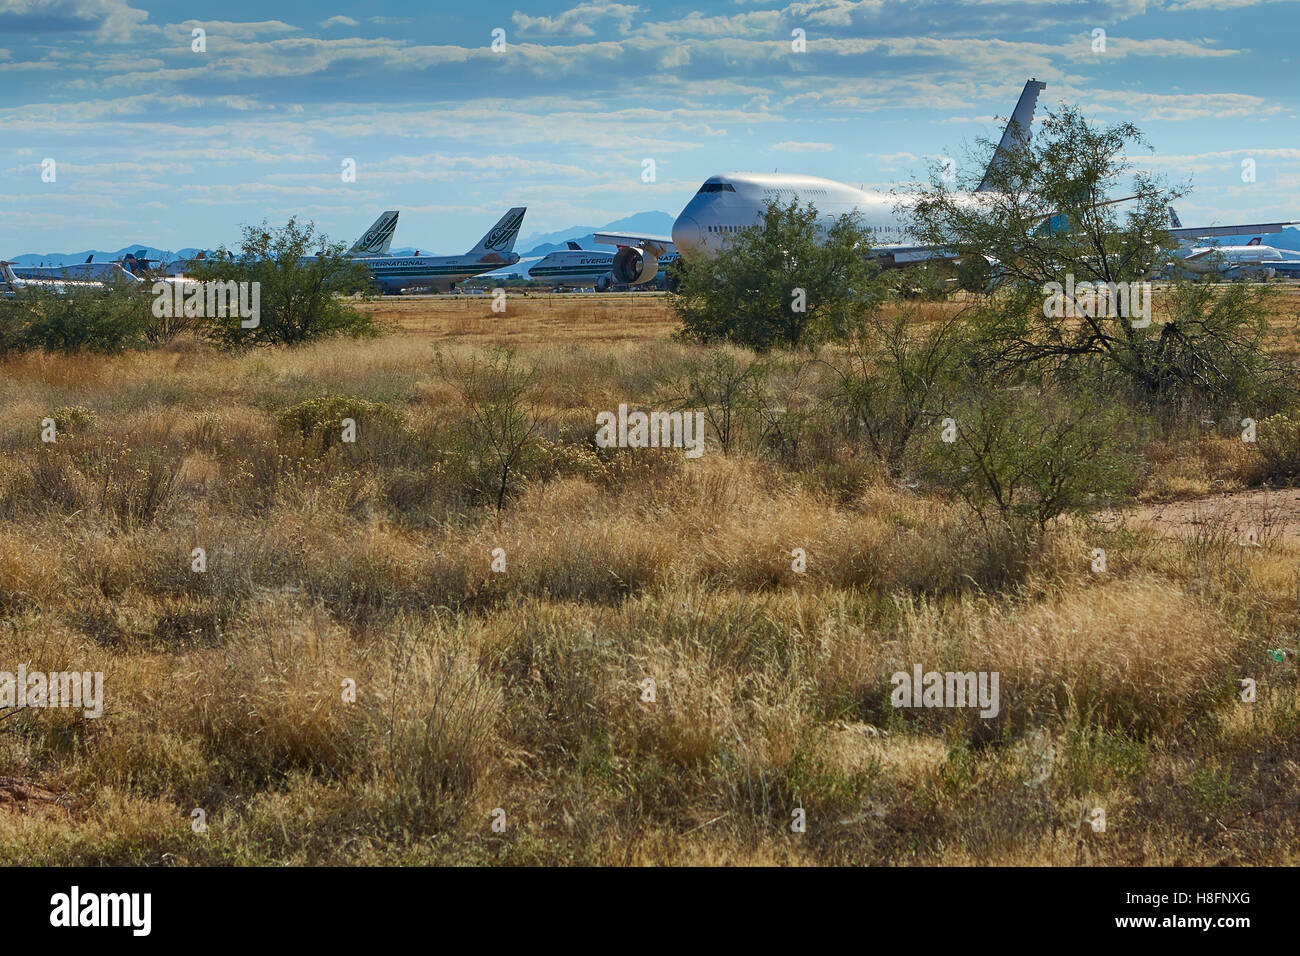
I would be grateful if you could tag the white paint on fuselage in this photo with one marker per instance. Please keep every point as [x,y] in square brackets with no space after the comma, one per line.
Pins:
[573,267]
[395,273]
[727,204]
[1205,259]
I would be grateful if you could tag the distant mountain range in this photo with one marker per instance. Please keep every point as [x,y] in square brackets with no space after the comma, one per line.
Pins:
[72,258]
[537,244]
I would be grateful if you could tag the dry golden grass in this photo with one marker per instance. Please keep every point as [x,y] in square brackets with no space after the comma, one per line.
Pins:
[523,691]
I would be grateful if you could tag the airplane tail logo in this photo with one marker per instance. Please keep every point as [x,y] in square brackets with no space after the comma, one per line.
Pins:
[136,265]
[1174,220]
[501,237]
[378,237]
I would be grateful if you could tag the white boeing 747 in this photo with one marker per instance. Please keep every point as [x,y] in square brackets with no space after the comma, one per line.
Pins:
[727,204]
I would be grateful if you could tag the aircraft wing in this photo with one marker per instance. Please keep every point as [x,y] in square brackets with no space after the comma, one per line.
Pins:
[1205,232]
[901,255]
[655,245]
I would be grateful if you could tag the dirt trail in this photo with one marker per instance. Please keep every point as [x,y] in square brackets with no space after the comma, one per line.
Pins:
[1255,516]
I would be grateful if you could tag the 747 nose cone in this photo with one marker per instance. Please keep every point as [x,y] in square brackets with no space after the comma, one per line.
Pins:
[687,235]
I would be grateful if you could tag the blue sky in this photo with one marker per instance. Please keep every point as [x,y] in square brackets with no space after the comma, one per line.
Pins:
[155,143]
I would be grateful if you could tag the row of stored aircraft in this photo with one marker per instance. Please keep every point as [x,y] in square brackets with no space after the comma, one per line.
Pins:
[391,273]
[723,207]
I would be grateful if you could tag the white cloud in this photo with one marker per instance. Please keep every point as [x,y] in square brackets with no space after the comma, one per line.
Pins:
[576,22]
[793,147]
[247,30]
[110,19]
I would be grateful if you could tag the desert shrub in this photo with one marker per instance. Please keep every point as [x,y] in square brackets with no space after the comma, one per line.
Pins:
[894,377]
[927,282]
[301,276]
[497,438]
[1019,458]
[319,421]
[722,385]
[108,321]
[131,487]
[73,419]
[1278,440]
[1064,245]
[785,282]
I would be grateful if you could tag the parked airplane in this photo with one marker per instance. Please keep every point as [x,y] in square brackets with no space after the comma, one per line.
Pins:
[496,249]
[375,241]
[101,273]
[11,283]
[727,204]
[581,268]
[575,266]
[1254,259]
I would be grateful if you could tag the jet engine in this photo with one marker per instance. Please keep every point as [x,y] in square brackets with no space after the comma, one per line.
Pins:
[1258,273]
[633,265]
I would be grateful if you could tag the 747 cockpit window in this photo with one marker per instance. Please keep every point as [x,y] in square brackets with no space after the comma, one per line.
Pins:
[717,188]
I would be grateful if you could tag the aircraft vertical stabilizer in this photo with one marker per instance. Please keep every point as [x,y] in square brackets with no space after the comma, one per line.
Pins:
[500,239]
[376,240]
[1018,131]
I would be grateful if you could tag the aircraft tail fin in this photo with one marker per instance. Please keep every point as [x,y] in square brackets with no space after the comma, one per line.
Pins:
[135,265]
[1174,220]
[574,247]
[501,237]
[1018,130]
[376,240]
